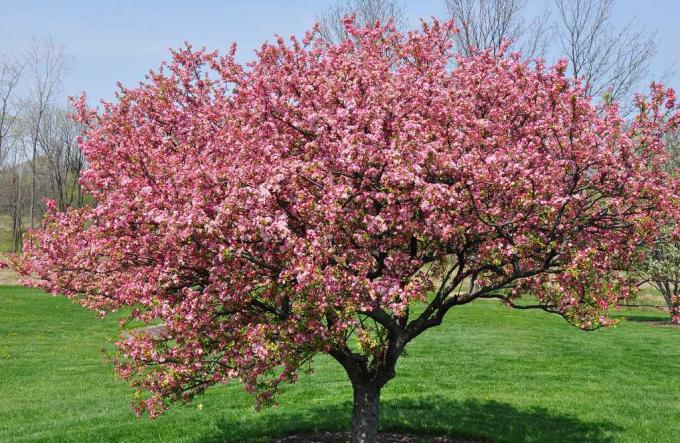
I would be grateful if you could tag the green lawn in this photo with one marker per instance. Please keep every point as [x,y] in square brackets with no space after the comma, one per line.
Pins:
[5,241]
[5,233]
[487,373]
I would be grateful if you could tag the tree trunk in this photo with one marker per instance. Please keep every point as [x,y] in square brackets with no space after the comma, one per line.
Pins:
[365,414]
[368,378]
[16,231]
[669,291]
[32,208]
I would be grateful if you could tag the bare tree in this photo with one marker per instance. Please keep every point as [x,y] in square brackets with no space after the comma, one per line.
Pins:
[10,73]
[57,140]
[47,63]
[367,12]
[486,24]
[16,194]
[612,61]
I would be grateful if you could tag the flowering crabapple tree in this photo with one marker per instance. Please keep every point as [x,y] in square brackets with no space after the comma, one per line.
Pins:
[304,202]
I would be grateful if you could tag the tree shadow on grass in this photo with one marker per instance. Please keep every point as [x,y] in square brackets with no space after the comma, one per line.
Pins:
[651,318]
[471,419]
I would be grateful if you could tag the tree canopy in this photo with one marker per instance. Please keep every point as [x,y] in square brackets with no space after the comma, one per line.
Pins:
[302,203]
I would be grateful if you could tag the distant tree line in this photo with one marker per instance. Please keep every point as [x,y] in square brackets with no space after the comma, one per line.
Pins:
[39,154]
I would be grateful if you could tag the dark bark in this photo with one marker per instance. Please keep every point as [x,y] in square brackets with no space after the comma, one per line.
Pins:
[367,379]
[366,411]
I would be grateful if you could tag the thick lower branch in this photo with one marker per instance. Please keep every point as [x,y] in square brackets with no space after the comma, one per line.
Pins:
[434,313]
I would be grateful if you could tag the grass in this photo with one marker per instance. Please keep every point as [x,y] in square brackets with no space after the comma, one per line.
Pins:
[488,373]
[5,233]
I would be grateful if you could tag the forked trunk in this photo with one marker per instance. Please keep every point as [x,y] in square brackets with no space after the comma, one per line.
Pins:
[365,414]
[367,381]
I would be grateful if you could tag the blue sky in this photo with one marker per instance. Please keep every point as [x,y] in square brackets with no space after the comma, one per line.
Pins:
[120,41]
